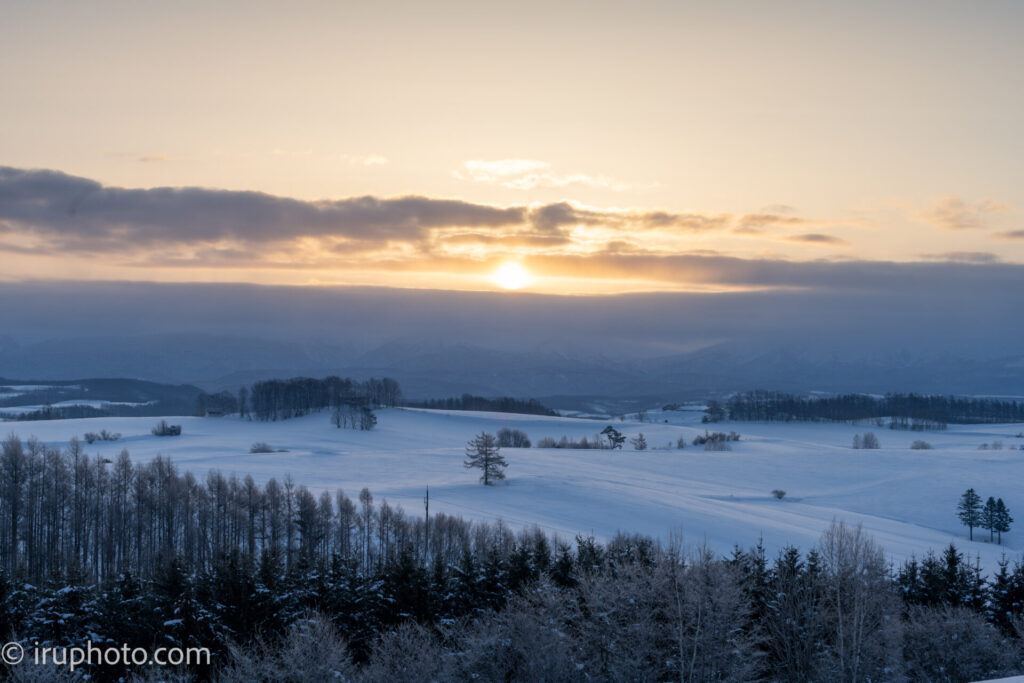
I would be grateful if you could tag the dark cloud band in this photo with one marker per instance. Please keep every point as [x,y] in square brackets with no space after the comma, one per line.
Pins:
[78,212]
[68,213]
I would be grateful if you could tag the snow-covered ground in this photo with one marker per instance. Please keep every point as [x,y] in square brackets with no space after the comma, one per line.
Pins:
[905,498]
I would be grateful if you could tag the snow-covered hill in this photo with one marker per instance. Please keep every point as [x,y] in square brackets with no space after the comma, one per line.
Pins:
[905,498]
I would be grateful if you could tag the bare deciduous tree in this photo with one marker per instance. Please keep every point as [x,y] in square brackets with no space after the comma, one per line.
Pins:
[483,453]
[861,611]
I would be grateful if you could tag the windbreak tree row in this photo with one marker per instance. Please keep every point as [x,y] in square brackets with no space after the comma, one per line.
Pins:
[283,399]
[904,411]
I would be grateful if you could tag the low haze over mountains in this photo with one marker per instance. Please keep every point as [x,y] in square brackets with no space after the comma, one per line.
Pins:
[962,338]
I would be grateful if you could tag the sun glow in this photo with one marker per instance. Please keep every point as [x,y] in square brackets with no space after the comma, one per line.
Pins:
[511,276]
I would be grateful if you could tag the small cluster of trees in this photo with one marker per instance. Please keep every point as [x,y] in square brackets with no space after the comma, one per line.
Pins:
[916,424]
[504,404]
[610,439]
[103,435]
[164,429]
[993,516]
[219,404]
[352,416]
[715,441]
[583,443]
[606,440]
[284,399]
[868,441]
[512,438]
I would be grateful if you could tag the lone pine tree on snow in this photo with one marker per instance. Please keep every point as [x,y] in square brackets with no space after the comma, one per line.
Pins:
[483,452]
[969,510]
[615,437]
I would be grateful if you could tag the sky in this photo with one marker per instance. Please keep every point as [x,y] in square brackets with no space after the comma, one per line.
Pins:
[602,147]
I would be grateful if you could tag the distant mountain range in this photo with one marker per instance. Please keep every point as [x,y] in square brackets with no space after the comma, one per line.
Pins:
[429,370]
[955,331]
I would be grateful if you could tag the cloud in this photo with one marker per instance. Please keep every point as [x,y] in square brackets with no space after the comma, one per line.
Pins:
[759,223]
[530,174]
[554,216]
[485,171]
[816,238]
[562,214]
[77,213]
[978,257]
[930,279]
[1012,235]
[514,239]
[953,213]
[779,208]
[365,160]
[53,211]
[533,181]
[49,213]
[762,220]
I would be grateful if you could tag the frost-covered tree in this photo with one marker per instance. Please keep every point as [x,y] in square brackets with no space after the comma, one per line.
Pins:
[860,612]
[483,452]
[13,467]
[640,442]
[953,643]
[969,510]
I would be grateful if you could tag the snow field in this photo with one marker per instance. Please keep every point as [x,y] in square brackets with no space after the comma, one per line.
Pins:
[905,498]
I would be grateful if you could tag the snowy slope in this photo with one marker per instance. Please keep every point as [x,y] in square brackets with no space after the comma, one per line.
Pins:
[905,498]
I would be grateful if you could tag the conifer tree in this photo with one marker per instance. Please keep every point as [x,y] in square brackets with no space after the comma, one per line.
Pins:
[1003,519]
[969,510]
[989,517]
[614,436]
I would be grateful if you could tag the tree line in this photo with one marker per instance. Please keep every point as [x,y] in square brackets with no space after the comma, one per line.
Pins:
[283,399]
[522,607]
[504,404]
[145,554]
[905,411]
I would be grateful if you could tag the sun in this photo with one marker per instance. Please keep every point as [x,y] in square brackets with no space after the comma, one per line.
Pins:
[511,276]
